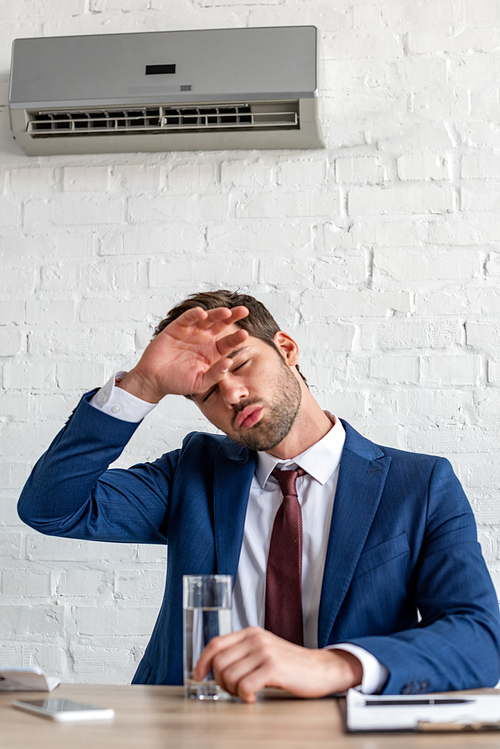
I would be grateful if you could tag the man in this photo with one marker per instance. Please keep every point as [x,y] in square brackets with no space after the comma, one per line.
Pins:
[393,593]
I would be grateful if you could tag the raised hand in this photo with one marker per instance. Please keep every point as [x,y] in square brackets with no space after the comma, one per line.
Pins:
[189,355]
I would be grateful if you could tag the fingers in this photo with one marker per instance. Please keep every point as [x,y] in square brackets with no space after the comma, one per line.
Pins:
[218,318]
[215,646]
[223,320]
[212,376]
[249,660]
[228,343]
[223,347]
[193,316]
[231,660]
[243,662]
[238,313]
[244,674]
[190,354]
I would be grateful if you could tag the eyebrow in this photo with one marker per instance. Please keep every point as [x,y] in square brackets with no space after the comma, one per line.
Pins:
[237,351]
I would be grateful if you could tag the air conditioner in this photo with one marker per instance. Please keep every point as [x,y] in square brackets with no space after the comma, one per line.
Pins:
[166,91]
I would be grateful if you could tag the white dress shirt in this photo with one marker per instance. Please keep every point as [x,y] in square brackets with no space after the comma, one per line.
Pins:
[316,494]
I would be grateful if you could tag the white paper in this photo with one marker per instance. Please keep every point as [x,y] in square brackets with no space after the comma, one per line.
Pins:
[29,679]
[373,713]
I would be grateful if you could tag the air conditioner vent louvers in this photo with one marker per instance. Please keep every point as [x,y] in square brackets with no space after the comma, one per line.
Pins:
[154,91]
[150,119]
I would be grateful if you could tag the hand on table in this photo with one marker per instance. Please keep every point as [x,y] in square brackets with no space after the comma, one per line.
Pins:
[244,662]
[189,356]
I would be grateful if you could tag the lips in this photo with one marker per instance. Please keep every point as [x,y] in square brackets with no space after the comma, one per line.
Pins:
[248,417]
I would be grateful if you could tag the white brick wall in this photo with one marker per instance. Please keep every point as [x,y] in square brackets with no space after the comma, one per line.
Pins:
[379,253]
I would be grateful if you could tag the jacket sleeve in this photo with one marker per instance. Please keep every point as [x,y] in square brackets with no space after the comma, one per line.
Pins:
[71,492]
[456,644]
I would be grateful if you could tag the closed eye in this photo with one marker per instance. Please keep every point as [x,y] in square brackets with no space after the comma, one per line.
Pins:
[235,369]
[207,396]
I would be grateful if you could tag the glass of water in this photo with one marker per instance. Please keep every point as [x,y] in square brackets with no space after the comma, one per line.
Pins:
[207,601]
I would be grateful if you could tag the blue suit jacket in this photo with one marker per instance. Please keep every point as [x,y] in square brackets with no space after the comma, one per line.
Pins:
[404,576]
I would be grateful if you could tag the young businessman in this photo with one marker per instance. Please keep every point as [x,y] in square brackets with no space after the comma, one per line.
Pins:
[393,593]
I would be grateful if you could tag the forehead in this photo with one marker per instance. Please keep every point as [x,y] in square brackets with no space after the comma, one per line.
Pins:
[250,346]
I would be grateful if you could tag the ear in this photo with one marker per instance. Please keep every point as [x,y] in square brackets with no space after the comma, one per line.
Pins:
[287,347]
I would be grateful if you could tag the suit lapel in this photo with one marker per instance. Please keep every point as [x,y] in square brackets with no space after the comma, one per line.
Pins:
[362,474]
[233,473]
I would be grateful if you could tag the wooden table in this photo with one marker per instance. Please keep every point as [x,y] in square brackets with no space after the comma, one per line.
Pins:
[155,717]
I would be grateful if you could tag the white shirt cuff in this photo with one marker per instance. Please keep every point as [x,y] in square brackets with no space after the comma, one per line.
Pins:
[374,673]
[119,403]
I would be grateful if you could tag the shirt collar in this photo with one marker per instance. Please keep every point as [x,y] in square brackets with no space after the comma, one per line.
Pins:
[319,461]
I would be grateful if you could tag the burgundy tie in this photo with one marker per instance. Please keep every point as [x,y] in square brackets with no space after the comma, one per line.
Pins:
[284,564]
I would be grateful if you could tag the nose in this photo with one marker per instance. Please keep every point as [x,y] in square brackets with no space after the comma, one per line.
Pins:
[232,390]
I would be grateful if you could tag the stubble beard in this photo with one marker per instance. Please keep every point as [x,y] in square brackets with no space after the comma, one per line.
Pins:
[276,424]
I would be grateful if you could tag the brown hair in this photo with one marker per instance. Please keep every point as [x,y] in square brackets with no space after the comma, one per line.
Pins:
[259,323]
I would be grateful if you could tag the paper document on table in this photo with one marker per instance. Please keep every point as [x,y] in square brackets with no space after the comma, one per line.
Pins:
[422,712]
[29,679]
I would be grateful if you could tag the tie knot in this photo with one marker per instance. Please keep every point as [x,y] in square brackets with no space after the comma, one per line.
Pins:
[287,479]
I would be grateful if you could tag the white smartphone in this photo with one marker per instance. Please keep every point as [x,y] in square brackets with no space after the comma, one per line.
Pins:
[64,710]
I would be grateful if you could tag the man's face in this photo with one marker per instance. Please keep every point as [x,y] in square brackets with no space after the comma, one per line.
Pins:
[257,400]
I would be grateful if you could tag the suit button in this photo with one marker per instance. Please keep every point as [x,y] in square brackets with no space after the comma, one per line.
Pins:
[415,687]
